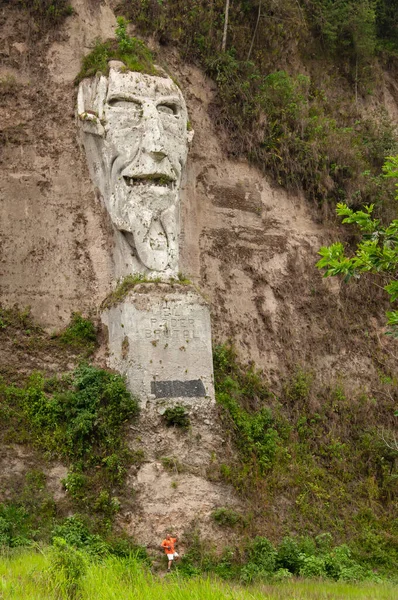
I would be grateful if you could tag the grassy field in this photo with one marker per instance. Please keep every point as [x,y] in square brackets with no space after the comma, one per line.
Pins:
[35,576]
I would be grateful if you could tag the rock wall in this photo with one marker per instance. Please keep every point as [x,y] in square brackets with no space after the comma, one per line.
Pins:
[250,246]
[55,239]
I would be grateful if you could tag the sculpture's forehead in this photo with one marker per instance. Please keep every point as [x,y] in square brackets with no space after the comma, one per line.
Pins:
[142,85]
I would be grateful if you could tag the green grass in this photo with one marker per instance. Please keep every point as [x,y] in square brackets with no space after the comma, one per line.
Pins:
[30,575]
[80,334]
[124,287]
[129,282]
[129,50]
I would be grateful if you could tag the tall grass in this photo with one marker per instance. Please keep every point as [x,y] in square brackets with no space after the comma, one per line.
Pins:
[27,575]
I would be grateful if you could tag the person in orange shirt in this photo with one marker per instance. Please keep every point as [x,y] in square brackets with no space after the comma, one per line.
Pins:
[168,546]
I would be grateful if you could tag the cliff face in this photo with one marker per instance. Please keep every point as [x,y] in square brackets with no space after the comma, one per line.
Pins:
[249,246]
[55,254]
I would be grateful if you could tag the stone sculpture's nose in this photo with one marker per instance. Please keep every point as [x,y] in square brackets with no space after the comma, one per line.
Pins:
[153,138]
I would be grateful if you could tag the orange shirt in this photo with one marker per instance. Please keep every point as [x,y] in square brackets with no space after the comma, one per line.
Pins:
[168,545]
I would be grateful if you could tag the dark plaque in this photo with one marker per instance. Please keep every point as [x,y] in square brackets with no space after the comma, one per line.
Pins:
[178,389]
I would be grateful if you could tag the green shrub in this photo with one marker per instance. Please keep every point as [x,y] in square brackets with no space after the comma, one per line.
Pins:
[177,416]
[376,549]
[77,422]
[51,12]
[340,566]
[304,556]
[106,504]
[324,542]
[96,61]
[242,393]
[14,526]
[81,332]
[79,418]
[262,554]
[115,464]
[67,567]
[130,50]
[77,531]
[226,517]
[250,572]
[313,566]
[75,484]
[282,575]
[23,524]
[77,535]
[29,514]
[289,555]
[299,387]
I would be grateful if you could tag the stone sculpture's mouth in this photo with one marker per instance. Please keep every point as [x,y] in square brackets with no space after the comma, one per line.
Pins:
[153,179]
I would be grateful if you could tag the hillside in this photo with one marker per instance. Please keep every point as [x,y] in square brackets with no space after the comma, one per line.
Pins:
[296,115]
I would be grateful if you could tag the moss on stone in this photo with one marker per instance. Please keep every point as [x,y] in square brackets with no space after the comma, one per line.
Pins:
[129,50]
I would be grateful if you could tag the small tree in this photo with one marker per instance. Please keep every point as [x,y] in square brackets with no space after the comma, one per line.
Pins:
[376,252]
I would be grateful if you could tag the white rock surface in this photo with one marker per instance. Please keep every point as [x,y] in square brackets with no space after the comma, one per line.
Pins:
[134,130]
[160,338]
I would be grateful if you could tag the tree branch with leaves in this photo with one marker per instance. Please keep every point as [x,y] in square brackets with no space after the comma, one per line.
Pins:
[376,252]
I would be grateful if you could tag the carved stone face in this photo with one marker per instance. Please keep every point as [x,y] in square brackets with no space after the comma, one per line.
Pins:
[136,140]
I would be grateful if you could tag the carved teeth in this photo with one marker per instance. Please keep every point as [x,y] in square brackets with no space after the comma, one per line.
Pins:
[158,180]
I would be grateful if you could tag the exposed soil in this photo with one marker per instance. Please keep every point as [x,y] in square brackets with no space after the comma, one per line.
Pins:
[250,247]
[53,232]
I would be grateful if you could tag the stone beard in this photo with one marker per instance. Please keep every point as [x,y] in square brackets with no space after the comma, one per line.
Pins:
[134,129]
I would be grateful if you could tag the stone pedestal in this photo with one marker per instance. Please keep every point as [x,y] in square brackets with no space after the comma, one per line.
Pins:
[160,339]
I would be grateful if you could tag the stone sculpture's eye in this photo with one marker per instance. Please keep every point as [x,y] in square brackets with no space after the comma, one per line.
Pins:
[129,105]
[168,109]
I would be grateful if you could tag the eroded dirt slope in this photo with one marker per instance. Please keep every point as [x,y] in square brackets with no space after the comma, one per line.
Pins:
[253,248]
[53,233]
[249,246]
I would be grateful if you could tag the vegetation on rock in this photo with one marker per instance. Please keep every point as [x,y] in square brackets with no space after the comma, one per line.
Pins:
[310,131]
[321,450]
[129,282]
[376,252]
[124,287]
[48,12]
[78,417]
[227,517]
[130,50]
[176,416]
[310,459]
[339,479]
[80,334]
